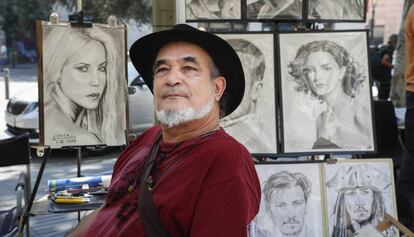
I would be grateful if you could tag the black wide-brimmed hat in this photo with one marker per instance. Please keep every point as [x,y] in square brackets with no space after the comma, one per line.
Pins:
[144,52]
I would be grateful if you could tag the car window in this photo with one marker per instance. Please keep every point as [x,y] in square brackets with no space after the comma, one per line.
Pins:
[138,81]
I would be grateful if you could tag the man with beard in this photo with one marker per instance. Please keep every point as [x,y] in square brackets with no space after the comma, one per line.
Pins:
[359,202]
[202,181]
[286,195]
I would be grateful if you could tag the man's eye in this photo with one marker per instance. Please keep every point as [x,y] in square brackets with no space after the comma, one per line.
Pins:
[161,69]
[280,205]
[366,191]
[82,68]
[188,68]
[297,203]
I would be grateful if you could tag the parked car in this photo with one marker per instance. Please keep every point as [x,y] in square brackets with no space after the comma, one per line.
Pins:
[22,112]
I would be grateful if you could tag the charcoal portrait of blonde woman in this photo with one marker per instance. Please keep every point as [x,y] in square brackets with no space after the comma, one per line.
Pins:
[253,123]
[291,204]
[351,10]
[359,194]
[212,9]
[326,98]
[84,85]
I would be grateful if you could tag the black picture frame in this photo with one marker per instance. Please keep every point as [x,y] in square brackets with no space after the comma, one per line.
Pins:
[299,137]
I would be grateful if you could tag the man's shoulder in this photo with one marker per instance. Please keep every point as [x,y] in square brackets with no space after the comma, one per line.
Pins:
[225,142]
[150,132]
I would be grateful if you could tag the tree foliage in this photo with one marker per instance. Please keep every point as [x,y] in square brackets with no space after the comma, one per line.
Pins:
[17,18]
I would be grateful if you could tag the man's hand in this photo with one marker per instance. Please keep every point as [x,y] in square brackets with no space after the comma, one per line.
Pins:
[327,125]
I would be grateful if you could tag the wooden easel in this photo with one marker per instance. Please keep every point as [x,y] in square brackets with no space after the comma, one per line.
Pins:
[390,221]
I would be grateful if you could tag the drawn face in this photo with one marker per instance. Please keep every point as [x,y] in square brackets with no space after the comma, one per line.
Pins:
[323,73]
[288,210]
[358,203]
[182,77]
[252,87]
[83,78]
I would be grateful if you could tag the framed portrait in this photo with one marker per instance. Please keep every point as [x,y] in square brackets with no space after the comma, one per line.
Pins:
[274,9]
[358,193]
[253,123]
[291,201]
[325,92]
[213,10]
[337,11]
[82,85]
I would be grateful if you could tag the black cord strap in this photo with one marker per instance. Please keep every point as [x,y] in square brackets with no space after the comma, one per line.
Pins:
[146,208]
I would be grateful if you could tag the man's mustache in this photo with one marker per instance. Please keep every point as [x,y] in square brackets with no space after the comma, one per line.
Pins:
[360,209]
[291,221]
[168,91]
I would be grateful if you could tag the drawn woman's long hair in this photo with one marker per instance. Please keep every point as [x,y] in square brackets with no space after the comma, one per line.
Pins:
[62,43]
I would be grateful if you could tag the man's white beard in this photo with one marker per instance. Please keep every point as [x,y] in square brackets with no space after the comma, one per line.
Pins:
[173,118]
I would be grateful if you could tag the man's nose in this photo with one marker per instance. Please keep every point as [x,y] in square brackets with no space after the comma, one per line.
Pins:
[173,77]
[290,212]
[358,199]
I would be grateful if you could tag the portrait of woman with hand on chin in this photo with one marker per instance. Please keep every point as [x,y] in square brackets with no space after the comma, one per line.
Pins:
[327,75]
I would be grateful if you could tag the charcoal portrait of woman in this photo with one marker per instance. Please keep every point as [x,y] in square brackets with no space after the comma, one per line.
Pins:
[329,85]
[83,86]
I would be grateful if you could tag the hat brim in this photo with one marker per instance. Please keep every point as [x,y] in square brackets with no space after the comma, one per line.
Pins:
[144,52]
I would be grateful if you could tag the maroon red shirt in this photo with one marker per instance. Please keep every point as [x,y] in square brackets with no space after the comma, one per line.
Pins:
[205,186]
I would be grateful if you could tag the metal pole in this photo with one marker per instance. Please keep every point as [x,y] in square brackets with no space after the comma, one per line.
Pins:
[6,72]
[79,6]
[371,40]
[79,154]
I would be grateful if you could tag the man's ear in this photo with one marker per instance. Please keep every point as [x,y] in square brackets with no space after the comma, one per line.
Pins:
[219,87]
[256,89]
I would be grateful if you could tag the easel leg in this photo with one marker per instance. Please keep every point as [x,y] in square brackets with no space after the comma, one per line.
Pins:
[26,213]
[79,156]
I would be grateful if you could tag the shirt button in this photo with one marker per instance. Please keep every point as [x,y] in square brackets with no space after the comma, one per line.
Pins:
[131,189]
